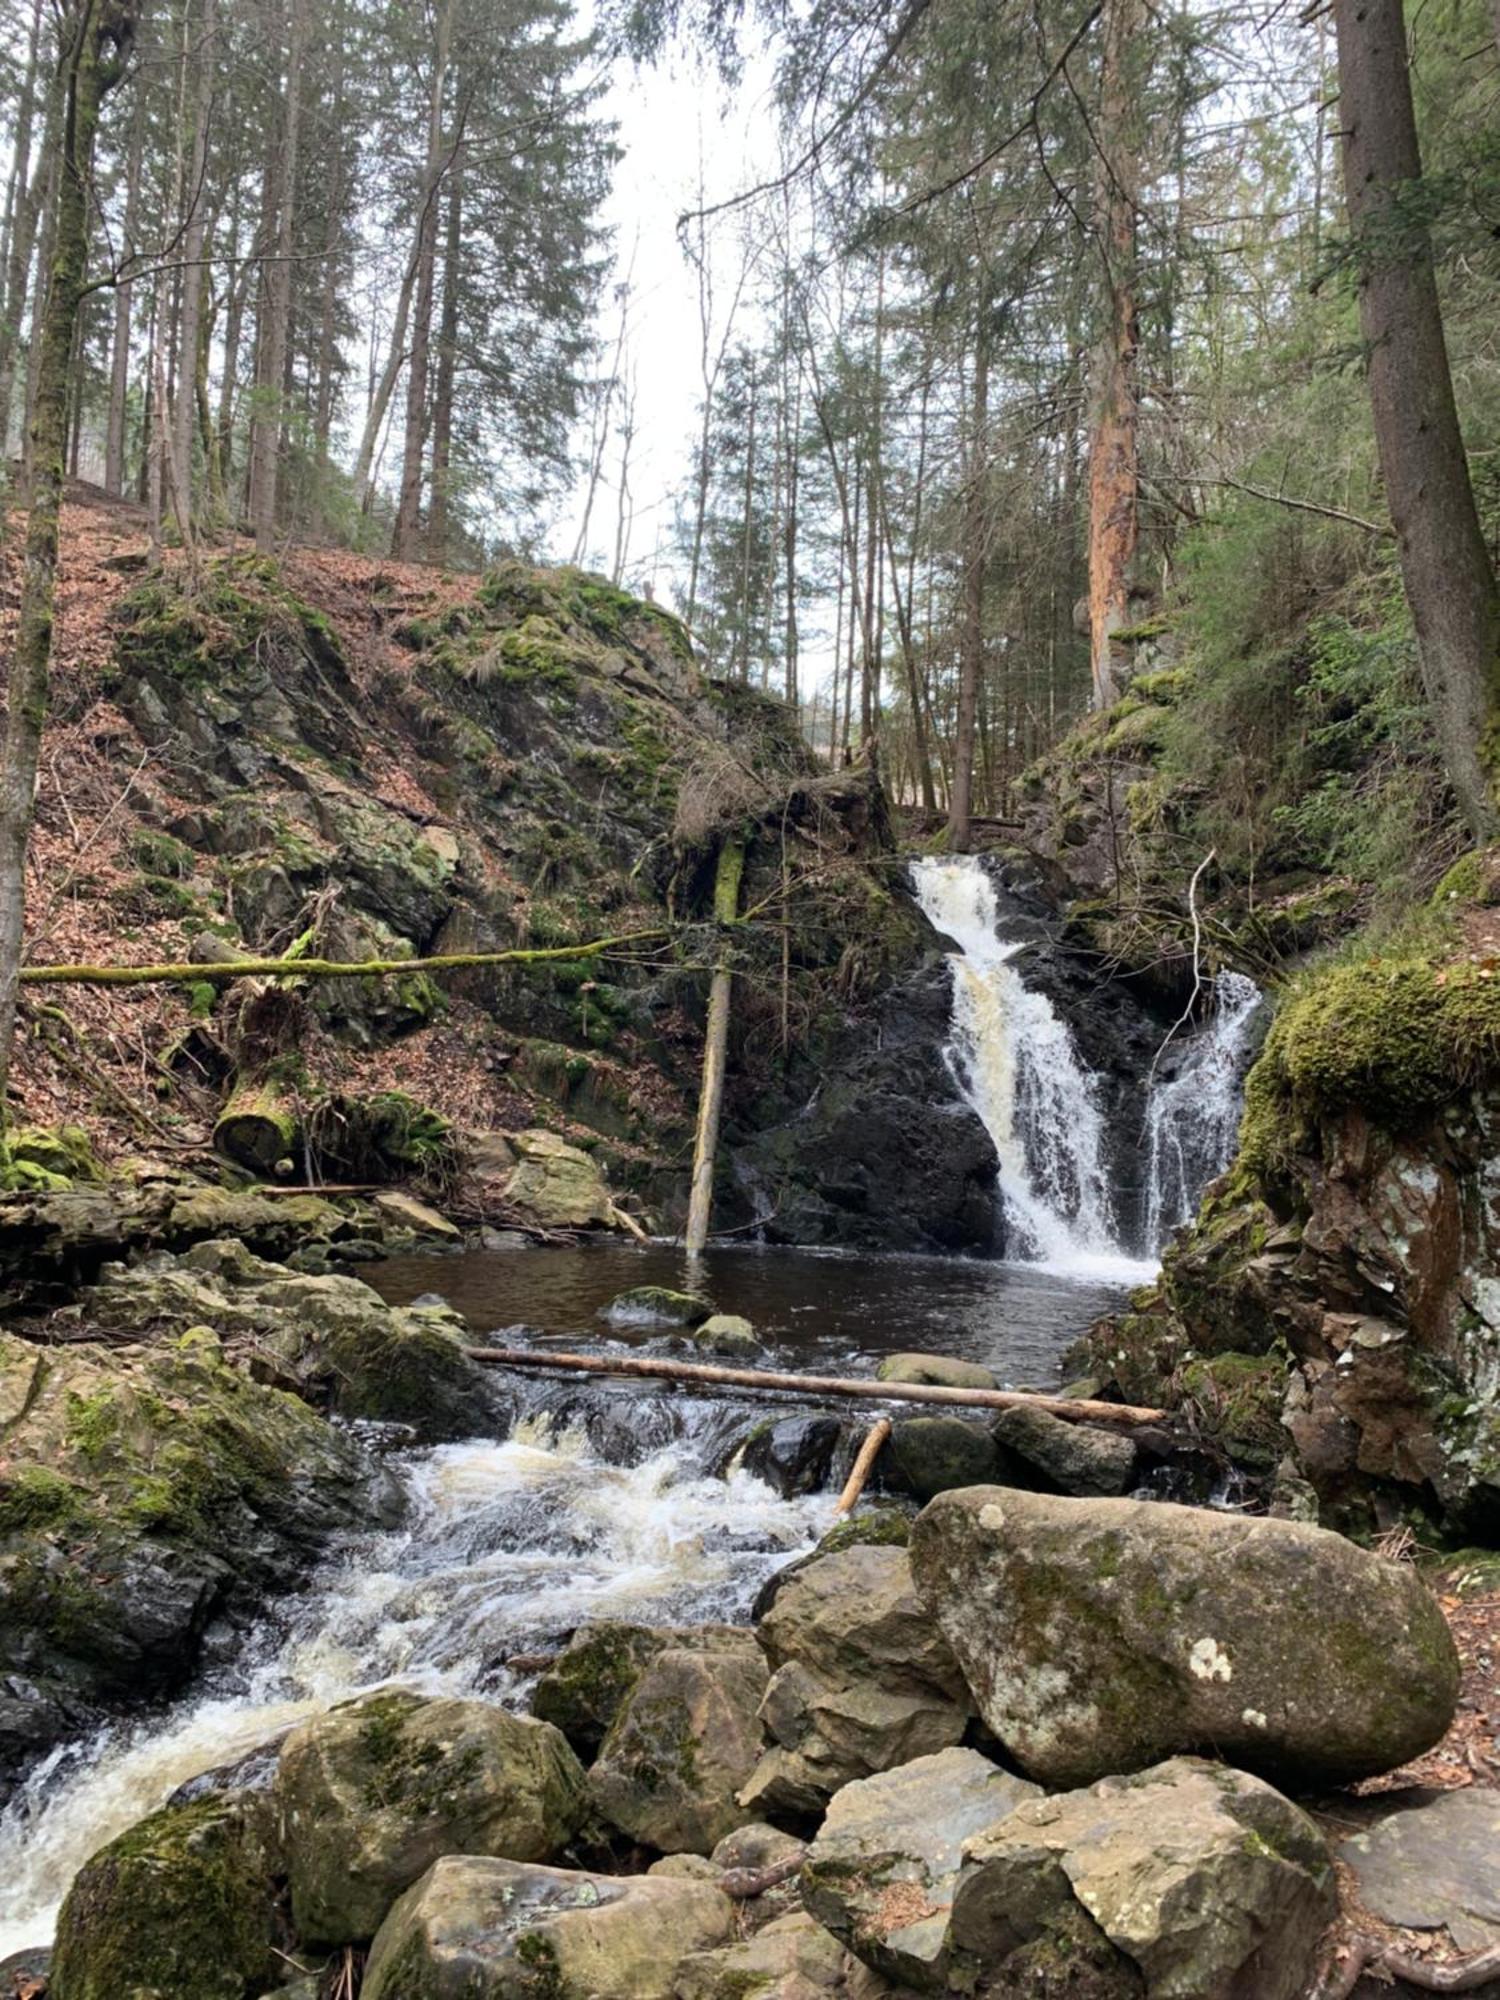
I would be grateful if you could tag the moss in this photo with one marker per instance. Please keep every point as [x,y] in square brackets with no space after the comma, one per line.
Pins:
[64,1151]
[1474,879]
[1236,1401]
[161,854]
[538,1954]
[35,1497]
[415,1774]
[213,631]
[93,1422]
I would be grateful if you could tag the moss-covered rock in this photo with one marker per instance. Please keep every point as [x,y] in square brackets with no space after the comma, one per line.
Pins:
[658,1305]
[369,1795]
[143,1492]
[182,1906]
[583,1690]
[476,1929]
[1098,1635]
[926,1455]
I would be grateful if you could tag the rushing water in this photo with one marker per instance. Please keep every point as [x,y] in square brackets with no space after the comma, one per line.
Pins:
[1021,1070]
[1192,1118]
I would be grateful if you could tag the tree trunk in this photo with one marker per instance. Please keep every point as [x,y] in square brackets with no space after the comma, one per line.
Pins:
[1114,471]
[44,260]
[256,1129]
[1445,567]
[328,343]
[194,237]
[30,197]
[409,505]
[276,294]
[119,363]
[731,867]
[976,550]
[438,527]
[95,37]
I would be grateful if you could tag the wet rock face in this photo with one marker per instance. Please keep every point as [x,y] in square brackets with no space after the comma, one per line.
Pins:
[476,1929]
[369,1795]
[1186,1878]
[146,1491]
[1099,1635]
[182,1904]
[685,1740]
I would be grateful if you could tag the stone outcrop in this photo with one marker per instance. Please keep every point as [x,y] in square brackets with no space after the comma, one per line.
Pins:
[1188,1878]
[883,1871]
[475,1929]
[331,1339]
[684,1741]
[371,1793]
[1100,1635]
[183,1903]
[146,1492]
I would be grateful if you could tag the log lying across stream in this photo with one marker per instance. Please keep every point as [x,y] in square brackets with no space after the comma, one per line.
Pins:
[1076,1409]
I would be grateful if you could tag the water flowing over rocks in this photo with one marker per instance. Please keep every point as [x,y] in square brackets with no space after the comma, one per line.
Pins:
[475,1929]
[1186,1879]
[369,1795]
[1100,1635]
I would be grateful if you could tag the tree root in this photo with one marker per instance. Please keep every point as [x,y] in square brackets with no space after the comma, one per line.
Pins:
[1371,1954]
[741,1884]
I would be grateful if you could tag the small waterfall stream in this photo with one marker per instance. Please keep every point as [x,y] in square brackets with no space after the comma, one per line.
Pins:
[1021,1069]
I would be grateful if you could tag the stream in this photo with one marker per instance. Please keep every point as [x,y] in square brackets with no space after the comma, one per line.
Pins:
[613,1499]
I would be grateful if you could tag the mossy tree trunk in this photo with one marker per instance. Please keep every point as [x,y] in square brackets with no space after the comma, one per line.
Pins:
[1445,567]
[257,1128]
[715,1043]
[95,38]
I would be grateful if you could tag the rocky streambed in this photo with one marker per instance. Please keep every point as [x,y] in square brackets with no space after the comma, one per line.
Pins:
[328,1653]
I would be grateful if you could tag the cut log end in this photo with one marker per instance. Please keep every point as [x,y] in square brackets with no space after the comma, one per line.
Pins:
[257,1129]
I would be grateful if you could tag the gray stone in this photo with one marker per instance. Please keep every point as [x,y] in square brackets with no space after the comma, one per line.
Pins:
[756,1846]
[828,1733]
[856,1616]
[1185,1880]
[882,1873]
[726,1333]
[943,1371]
[480,1929]
[1433,1864]
[1038,1449]
[372,1792]
[929,1455]
[792,1958]
[684,1742]
[1099,1635]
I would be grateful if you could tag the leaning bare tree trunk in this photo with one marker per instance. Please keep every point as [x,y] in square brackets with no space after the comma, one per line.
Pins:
[1445,568]
[1114,470]
[95,37]
[409,505]
[715,1042]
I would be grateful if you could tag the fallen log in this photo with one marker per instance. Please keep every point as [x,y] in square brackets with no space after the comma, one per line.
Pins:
[257,1128]
[1076,1409]
[860,1471]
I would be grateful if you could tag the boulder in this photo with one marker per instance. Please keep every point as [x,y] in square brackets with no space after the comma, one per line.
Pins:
[795,1455]
[855,1615]
[1187,1879]
[792,1958]
[827,1734]
[1435,1863]
[369,1795]
[727,1333]
[926,1456]
[557,1186]
[942,1371]
[1099,1635]
[332,1339]
[181,1904]
[582,1691]
[887,1525]
[1039,1450]
[407,1213]
[145,1492]
[882,1873]
[479,1929]
[685,1740]
[657,1305]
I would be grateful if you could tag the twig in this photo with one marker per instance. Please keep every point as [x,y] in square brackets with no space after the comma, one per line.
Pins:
[1187,1011]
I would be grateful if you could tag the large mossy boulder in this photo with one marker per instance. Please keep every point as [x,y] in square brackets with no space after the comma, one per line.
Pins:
[1101,1635]
[882,1873]
[925,1456]
[943,1371]
[683,1744]
[145,1491]
[331,1339]
[476,1929]
[583,1689]
[182,1906]
[1188,1878]
[369,1795]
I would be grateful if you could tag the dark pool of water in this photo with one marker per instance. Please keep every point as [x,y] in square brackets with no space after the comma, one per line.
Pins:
[813,1309]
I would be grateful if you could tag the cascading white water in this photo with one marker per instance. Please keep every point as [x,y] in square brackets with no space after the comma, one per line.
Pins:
[507,1545]
[1021,1071]
[1192,1118]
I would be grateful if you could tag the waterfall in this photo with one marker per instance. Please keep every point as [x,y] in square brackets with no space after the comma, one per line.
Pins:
[1019,1067]
[1193,1117]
